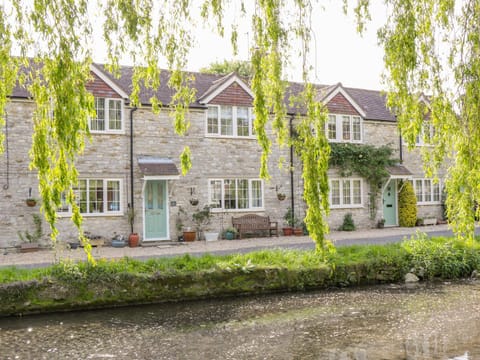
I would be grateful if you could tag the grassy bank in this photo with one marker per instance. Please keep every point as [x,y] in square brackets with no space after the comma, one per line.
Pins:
[68,285]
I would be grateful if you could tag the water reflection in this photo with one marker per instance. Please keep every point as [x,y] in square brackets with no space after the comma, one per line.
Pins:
[389,322]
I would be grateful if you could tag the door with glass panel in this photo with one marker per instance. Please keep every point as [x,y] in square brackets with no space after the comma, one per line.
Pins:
[155,205]
[390,203]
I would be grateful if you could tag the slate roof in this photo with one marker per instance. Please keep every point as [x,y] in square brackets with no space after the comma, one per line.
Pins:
[372,102]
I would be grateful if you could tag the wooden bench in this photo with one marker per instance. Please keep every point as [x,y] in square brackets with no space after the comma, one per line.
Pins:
[254,223]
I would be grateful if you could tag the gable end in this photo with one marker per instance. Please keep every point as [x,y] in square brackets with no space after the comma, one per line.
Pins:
[233,95]
[339,104]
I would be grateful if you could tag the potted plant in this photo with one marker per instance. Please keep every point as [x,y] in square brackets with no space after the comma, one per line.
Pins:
[31,202]
[381,223]
[281,196]
[133,238]
[230,233]
[30,240]
[289,222]
[202,218]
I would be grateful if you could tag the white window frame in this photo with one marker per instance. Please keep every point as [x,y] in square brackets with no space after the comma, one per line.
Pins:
[342,204]
[234,134]
[107,117]
[420,139]
[427,190]
[338,121]
[117,212]
[221,207]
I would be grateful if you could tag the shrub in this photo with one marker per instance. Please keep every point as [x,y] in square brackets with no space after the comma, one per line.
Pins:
[348,224]
[407,206]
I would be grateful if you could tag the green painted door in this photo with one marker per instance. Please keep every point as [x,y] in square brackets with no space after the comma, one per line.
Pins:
[155,204]
[390,203]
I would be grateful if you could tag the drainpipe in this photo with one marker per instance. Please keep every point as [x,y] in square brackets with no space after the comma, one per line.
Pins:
[131,205]
[400,142]
[292,196]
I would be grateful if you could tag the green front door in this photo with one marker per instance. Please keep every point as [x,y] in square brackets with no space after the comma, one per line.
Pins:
[390,203]
[155,205]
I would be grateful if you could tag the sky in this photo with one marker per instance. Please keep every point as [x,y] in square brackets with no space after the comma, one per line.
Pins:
[339,53]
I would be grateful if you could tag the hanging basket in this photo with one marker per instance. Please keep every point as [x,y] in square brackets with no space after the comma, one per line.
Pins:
[31,202]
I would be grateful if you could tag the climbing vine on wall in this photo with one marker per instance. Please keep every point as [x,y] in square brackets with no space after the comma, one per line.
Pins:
[367,161]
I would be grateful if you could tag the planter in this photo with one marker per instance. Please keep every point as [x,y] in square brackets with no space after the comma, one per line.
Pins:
[287,231]
[211,236]
[430,221]
[189,235]
[31,202]
[29,247]
[133,240]
[298,231]
[281,197]
[229,235]
[118,243]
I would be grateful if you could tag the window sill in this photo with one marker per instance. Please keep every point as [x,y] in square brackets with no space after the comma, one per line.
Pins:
[212,136]
[218,210]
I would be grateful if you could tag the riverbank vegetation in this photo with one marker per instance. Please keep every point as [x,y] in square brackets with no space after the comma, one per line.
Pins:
[71,286]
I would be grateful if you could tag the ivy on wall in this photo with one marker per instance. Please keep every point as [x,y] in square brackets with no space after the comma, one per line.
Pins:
[367,161]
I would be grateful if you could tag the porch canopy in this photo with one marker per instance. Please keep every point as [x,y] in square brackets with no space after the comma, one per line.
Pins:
[157,167]
[399,172]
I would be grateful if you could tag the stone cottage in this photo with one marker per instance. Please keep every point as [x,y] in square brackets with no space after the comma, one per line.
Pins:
[132,162]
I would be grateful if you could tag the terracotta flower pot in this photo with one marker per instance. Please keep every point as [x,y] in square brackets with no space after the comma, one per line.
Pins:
[287,231]
[133,240]
[189,235]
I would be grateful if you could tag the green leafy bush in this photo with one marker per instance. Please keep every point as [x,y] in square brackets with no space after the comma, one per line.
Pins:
[348,224]
[407,205]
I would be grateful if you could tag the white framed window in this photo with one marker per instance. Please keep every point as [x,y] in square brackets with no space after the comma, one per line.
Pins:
[427,191]
[346,193]
[426,134]
[109,116]
[344,128]
[236,194]
[96,197]
[230,121]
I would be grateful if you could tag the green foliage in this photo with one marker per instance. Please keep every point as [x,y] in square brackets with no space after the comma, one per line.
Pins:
[37,233]
[441,257]
[368,161]
[433,77]
[348,223]
[407,205]
[242,68]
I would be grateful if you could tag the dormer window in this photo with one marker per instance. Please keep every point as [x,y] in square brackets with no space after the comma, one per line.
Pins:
[109,115]
[229,121]
[344,128]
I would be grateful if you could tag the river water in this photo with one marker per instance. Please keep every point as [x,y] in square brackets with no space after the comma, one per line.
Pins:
[440,321]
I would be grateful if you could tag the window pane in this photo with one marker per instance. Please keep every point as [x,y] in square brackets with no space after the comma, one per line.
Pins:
[335,191]
[357,132]
[419,190]
[346,192]
[113,195]
[212,120]
[242,121]
[216,193]
[98,124]
[95,196]
[332,127]
[346,127]
[257,193]
[428,190]
[230,193]
[436,192]
[226,120]
[357,192]
[114,115]
[242,194]
[64,208]
[81,194]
